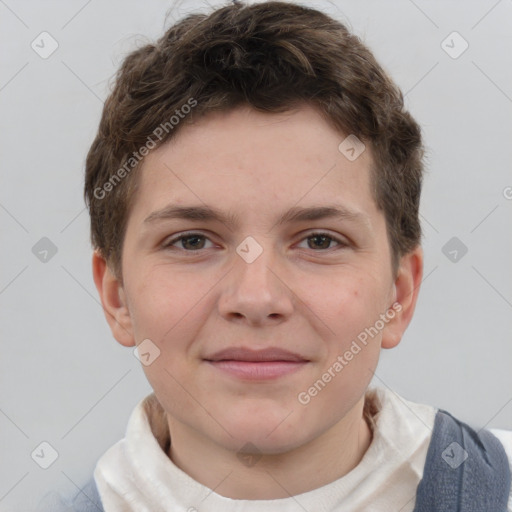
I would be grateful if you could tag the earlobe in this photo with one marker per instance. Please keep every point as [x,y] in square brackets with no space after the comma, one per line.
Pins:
[407,287]
[113,300]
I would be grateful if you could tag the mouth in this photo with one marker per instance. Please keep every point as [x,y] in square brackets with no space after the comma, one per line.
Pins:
[247,364]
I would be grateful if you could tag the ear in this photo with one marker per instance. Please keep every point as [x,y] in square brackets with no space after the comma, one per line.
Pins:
[113,300]
[406,290]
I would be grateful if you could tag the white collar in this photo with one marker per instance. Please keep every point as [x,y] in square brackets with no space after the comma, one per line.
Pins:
[137,475]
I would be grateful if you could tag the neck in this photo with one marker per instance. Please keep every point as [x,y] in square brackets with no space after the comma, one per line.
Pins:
[310,466]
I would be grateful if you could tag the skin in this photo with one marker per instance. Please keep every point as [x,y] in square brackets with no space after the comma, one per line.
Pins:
[303,294]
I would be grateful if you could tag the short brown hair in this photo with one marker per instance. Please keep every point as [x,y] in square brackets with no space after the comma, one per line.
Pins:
[272,56]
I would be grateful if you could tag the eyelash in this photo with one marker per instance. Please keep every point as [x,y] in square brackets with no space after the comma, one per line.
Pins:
[168,244]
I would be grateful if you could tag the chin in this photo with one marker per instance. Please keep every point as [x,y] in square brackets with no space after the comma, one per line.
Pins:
[268,432]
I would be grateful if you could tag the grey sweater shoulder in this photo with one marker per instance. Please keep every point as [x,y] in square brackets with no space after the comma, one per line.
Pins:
[86,500]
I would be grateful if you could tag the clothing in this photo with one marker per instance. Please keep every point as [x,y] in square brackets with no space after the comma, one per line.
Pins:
[136,474]
[465,470]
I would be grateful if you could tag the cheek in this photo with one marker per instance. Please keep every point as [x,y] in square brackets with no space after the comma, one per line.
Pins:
[347,304]
[161,302]
[167,309]
[350,305]
[350,308]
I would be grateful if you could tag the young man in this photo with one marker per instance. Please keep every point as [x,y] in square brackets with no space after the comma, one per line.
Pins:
[254,191]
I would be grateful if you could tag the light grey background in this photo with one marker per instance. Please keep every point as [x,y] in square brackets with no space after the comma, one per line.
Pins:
[66,381]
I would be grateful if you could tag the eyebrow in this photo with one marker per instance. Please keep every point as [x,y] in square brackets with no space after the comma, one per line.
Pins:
[294,214]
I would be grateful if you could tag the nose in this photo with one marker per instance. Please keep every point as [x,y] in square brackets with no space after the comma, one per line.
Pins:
[256,291]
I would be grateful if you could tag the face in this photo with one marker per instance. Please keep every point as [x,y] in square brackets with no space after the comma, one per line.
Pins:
[271,271]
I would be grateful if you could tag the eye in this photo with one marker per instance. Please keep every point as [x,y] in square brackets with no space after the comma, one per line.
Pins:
[323,240]
[189,242]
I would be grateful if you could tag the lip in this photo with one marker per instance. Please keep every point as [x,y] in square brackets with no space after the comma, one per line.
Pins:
[256,356]
[268,363]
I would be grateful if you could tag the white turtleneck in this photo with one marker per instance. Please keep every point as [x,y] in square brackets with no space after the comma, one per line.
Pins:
[136,473]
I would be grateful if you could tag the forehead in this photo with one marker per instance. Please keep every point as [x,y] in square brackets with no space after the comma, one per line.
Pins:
[257,161]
